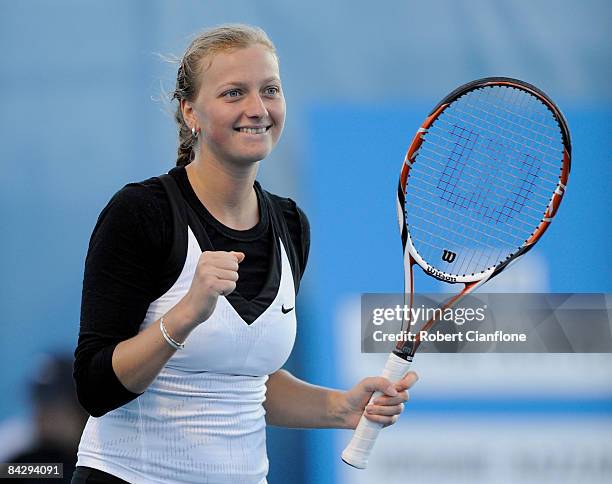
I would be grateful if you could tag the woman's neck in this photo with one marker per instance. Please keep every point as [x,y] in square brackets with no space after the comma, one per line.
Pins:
[226,192]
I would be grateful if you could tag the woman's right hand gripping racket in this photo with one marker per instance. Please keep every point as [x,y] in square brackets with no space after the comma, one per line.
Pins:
[480,184]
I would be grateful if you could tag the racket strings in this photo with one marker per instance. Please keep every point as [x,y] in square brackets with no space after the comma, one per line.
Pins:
[481,119]
[512,143]
[475,250]
[519,224]
[518,99]
[525,115]
[503,238]
[518,189]
[516,151]
[476,200]
[522,188]
[472,244]
[478,180]
[481,107]
[481,181]
[470,259]
[506,149]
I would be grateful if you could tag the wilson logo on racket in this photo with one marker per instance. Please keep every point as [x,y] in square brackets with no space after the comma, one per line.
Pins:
[448,256]
[440,275]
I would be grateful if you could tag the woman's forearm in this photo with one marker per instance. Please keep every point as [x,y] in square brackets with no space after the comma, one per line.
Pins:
[290,402]
[138,360]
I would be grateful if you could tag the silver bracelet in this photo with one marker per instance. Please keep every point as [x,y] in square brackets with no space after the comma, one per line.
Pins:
[175,344]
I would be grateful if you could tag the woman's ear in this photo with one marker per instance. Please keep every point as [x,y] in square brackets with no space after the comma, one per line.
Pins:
[189,114]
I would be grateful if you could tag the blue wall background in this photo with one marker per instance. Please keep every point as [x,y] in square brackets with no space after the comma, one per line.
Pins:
[83,112]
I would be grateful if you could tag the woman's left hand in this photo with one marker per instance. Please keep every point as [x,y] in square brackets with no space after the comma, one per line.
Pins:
[385,409]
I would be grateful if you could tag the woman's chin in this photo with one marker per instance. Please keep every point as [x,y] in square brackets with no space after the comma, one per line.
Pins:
[250,157]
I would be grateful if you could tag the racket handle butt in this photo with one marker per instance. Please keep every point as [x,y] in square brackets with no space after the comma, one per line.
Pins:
[358,462]
[360,447]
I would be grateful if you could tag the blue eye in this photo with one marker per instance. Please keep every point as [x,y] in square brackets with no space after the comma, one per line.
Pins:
[272,91]
[232,93]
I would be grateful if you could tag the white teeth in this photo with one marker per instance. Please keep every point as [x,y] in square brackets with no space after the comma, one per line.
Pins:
[253,130]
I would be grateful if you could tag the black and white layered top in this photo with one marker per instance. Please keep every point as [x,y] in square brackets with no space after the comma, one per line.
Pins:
[202,419]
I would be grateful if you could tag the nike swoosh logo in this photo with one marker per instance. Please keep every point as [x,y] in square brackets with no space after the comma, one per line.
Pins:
[287,310]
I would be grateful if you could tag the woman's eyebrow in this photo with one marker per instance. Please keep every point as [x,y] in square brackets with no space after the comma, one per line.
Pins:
[271,79]
[244,84]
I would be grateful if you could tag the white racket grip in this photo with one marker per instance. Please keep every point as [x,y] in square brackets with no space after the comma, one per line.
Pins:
[359,448]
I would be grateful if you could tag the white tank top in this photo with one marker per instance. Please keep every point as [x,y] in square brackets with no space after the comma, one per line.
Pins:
[202,418]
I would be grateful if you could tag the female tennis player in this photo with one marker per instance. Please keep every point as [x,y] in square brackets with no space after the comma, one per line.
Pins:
[188,309]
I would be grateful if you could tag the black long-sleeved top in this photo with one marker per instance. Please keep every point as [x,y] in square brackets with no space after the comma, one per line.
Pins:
[126,270]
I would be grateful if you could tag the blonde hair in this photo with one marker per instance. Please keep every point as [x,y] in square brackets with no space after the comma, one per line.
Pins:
[210,42]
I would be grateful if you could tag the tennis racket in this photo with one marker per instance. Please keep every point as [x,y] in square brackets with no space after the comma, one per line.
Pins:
[480,184]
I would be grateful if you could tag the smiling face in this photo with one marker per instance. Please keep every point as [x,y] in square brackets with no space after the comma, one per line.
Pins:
[240,108]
